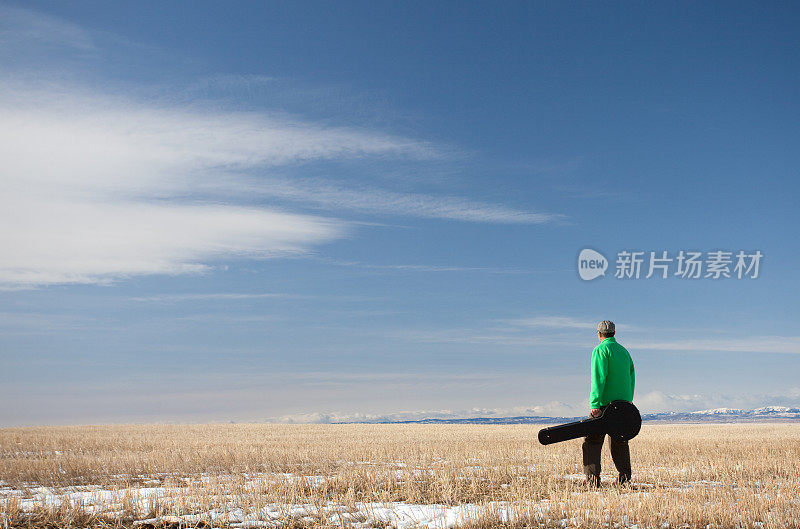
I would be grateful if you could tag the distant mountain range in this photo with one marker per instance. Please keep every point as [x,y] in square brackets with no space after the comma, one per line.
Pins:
[718,415]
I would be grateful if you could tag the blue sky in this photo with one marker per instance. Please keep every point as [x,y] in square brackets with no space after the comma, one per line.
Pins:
[306,211]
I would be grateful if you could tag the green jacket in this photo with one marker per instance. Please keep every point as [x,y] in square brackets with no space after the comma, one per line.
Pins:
[612,374]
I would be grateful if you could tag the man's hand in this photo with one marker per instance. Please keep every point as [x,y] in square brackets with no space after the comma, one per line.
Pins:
[596,412]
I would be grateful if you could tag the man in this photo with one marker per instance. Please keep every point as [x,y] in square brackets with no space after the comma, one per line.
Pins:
[612,379]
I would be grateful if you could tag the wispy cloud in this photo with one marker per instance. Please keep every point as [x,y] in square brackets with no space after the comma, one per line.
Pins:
[569,331]
[480,335]
[94,187]
[552,322]
[70,241]
[551,409]
[219,296]
[534,330]
[98,187]
[555,322]
[18,323]
[430,268]
[652,402]
[757,344]
[659,401]
[365,199]
[21,28]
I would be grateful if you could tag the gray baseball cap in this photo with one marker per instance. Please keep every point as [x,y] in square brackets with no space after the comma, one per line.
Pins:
[606,327]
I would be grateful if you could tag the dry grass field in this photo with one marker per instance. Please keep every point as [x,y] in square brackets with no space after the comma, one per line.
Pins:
[720,476]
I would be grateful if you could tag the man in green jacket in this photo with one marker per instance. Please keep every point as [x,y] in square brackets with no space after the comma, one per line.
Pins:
[612,379]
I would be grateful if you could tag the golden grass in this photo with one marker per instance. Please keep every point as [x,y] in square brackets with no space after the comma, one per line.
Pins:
[725,476]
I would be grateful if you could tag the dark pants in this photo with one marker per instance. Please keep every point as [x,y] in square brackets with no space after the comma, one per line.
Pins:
[620,454]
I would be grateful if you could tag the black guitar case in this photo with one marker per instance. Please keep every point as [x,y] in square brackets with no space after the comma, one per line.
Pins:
[620,420]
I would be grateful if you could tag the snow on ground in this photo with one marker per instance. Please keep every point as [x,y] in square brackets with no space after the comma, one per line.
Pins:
[194,497]
[396,514]
[96,500]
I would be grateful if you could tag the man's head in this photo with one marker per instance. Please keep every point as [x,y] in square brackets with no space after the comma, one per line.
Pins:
[605,329]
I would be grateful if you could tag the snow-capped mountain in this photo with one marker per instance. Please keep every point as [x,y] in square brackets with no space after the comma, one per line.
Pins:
[719,411]
[776,409]
[720,415]
[764,413]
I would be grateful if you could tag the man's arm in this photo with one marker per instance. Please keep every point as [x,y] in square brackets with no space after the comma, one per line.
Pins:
[599,372]
[633,379]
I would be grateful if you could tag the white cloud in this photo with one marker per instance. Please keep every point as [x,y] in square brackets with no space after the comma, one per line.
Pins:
[93,187]
[658,401]
[98,187]
[22,28]
[559,329]
[652,402]
[80,139]
[562,322]
[216,296]
[429,268]
[552,409]
[48,241]
[371,200]
[760,344]
[553,322]
[529,331]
